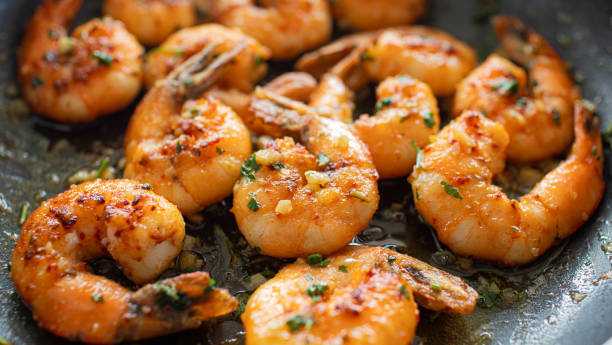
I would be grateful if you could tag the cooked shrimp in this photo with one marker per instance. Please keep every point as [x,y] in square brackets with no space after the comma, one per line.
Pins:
[377,14]
[454,194]
[152,21]
[95,72]
[246,70]
[294,200]
[538,115]
[189,151]
[360,295]
[143,232]
[287,27]
[333,99]
[430,55]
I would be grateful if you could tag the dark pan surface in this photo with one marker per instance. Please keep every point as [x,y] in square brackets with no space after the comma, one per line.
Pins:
[564,299]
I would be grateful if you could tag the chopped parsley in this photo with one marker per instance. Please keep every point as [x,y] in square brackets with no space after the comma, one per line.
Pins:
[450,190]
[317,290]
[179,148]
[253,204]
[211,285]
[97,298]
[419,156]
[258,60]
[505,86]
[323,159]
[342,268]
[428,118]
[249,168]
[298,322]
[556,117]
[404,291]
[391,259]
[607,135]
[488,299]
[365,56]
[515,228]
[103,58]
[278,166]
[168,296]
[435,286]
[187,83]
[521,101]
[317,260]
[385,102]
[594,150]
[219,150]
[36,82]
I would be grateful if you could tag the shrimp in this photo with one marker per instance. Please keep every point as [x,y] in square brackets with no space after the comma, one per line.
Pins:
[246,70]
[539,116]
[360,295]
[143,232]
[190,151]
[152,21]
[287,27]
[406,115]
[96,71]
[430,55]
[453,191]
[377,14]
[294,200]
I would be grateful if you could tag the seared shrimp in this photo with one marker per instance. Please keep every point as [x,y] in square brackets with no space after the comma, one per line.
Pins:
[143,232]
[152,21]
[96,71]
[287,27]
[294,200]
[246,70]
[360,295]
[189,151]
[537,112]
[453,191]
[406,115]
[377,14]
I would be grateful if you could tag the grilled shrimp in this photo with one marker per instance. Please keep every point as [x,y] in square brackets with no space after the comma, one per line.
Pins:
[406,115]
[537,112]
[360,295]
[246,70]
[190,151]
[453,191]
[287,27]
[430,55]
[94,72]
[377,14]
[143,232]
[294,200]
[152,21]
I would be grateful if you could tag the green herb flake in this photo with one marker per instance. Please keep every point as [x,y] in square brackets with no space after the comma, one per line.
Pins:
[385,102]
[317,260]
[359,195]
[187,83]
[435,286]
[97,298]
[365,56]
[168,296]
[219,150]
[278,166]
[428,117]
[102,167]
[253,204]
[179,147]
[521,101]
[249,168]
[194,112]
[323,159]
[391,259]
[211,285]
[505,86]
[299,322]
[450,190]
[515,228]
[258,60]
[317,289]
[24,213]
[103,58]
[556,117]
[419,156]
[488,299]
[342,268]
[404,292]
[36,82]
[607,135]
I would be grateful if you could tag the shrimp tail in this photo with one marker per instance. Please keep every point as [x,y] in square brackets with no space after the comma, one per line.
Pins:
[519,42]
[61,12]
[203,70]
[276,115]
[173,304]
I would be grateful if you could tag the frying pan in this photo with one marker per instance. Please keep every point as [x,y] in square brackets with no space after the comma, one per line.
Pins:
[564,299]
